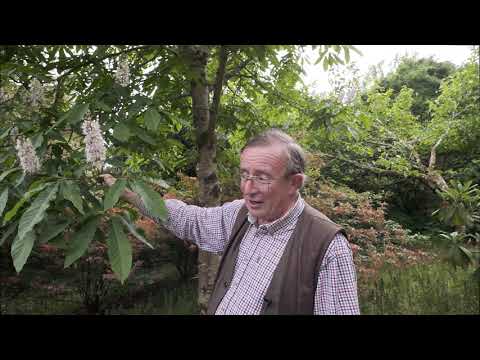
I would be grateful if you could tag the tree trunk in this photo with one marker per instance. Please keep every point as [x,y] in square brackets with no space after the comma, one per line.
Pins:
[435,181]
[209,192]
[433,177]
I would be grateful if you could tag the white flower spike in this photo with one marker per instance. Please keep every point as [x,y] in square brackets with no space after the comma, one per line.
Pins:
[27,156]
[95,150]
[122,76]
[36,95]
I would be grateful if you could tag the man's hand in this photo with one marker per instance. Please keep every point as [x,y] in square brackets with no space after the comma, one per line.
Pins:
[127,195]
[108,179]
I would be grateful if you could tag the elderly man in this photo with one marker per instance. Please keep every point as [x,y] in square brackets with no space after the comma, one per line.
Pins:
[280,256]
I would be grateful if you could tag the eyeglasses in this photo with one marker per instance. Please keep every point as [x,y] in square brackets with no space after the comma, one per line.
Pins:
[262,179]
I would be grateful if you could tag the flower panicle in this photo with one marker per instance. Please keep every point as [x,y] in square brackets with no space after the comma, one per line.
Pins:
[95,150]
[122,75]
[26,153]
[36,94]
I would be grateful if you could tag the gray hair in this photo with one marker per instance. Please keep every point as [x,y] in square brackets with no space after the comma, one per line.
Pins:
[296,160]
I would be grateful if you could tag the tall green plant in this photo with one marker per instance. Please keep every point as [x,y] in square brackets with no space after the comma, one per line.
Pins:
[461,205]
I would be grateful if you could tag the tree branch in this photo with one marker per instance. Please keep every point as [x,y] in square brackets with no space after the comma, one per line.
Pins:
[93,60]
[433,152]
[223,57]
[236,71]
[373,169]
[249,105]
[277,94]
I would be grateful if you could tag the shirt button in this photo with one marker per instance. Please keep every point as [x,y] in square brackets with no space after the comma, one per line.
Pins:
[225,284]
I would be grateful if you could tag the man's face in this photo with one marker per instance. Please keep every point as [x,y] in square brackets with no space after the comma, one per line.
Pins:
[267,202]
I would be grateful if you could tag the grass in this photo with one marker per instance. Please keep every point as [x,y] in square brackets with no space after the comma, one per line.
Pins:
[433,289]
[164,293]
[181,300]
[31,302]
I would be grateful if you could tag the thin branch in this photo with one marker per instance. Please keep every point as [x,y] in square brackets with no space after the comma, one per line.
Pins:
[181,96]
[249,105]
[171,50]
[93,60]
[236,71]
[433,152]
[219,81]
[277,93]
[373,169]
[58,94]
[378,143]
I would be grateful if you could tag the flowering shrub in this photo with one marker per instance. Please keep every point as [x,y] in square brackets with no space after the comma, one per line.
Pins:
[375,241]
[362,215]
[57,135]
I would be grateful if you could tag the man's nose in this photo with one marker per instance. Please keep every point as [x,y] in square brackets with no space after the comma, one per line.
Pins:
[249,186]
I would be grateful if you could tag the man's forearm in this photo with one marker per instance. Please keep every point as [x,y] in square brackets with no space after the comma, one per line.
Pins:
[208,228]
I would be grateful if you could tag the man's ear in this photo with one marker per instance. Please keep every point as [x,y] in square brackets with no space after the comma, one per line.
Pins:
[297,180]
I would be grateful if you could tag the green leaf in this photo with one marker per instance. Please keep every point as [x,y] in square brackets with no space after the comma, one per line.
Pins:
[356,50]
[5,133]
[337,60]
[346,50]
[19,180]
[3,200]
[142,134]
[59,242]
[119,250]
[114,194]
[152,119]
[458,218]
[150,55]
[10,214]
[35,213]
[74,115]
[52,231]
[476,275]
[159,182]
[21,249]
[151,199]
[468,254]
[353,132]
[9,232]
[71,192]
[8,172]
[80,241]
[134,232]
[322,51]
[37,141]
[77,113]
[325,64]
[101,105]
[122,132]
[171,143]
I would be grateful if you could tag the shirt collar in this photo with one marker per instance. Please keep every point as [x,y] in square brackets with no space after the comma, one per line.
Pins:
[289,218]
